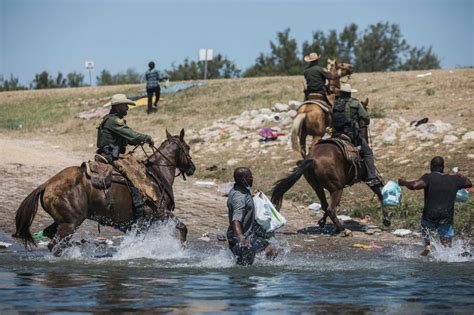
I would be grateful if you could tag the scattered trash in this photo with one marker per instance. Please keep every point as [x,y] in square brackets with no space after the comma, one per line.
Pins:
[205,237]
[225,188]
[314,206]
[204,183]
[270,134]
[43,243]
[367,246]
[4,244]
[343,217]
[416,123]
[424,75]
[392,194]
[39,235]
[221,237]
[401,232]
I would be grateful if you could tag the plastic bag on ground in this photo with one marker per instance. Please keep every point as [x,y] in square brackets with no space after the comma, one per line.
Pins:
[266,214]
[392,194]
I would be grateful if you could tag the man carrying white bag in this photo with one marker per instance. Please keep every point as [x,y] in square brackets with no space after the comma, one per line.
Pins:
[243,227]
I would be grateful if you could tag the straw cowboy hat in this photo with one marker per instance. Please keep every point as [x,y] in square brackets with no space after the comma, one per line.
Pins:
[346,87]
[119,99]
[311,57]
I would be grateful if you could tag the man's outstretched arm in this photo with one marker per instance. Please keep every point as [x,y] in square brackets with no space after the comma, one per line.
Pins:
[412,185]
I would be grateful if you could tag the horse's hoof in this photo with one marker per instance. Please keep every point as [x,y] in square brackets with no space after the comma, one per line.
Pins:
[387,222]
[322,223]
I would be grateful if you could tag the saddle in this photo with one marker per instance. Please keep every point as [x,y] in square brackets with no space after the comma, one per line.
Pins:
[136,172]
[306,106]
[350,152]
[99,172]
[329,99]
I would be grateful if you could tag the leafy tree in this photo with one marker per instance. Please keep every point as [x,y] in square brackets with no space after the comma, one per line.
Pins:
[60,81]
[129,77]
[346,44]
[43,81]
[379,48]
[11,84]
[188,70]
[75,79]
[105,78]
[282,60]
[218,67]
[420,59]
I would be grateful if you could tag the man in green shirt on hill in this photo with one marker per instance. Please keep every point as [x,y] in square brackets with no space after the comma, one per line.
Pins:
[316,76]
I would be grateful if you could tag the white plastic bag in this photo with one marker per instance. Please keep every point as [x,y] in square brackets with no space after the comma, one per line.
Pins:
[392,194]
[265,213]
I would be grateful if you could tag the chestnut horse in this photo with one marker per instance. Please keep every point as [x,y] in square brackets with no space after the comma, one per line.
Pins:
[69,198]
[325,168]
[311,118]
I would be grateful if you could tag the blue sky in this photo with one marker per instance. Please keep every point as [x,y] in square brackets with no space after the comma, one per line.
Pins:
[56,35]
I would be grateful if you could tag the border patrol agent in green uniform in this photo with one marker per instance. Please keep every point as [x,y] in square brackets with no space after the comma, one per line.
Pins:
[113,134]
[316,76]
[348,117]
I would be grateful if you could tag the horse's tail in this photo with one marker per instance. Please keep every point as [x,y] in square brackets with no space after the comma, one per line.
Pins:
[296,130]
[25,215]
[283,185]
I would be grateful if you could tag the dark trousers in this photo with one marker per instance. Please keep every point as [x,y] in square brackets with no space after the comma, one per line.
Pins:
[150,92]
[368,157]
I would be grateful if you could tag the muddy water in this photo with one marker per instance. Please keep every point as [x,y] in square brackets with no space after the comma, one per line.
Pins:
[153,273]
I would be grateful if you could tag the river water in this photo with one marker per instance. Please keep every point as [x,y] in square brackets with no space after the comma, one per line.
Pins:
[152,273]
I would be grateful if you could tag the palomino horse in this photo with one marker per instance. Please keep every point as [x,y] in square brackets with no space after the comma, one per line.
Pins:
[325,168]
[312,119]
[69,197]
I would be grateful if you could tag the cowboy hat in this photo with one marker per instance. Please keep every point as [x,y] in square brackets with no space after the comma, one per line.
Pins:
[346,87]
[311,57]
[119,99]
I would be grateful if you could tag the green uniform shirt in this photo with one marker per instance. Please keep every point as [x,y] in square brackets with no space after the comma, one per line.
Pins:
[114,131]
[316,78]
[357,112]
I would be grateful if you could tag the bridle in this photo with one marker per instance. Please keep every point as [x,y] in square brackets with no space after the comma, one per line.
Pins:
[155,150]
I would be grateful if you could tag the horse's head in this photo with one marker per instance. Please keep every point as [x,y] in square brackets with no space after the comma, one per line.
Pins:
[176,152]
[344,69]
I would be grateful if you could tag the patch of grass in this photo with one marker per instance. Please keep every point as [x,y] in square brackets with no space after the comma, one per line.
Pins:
[430,92]
[377,112]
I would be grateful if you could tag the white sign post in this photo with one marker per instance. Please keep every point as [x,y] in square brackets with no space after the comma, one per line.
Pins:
[90,67]
[205,55]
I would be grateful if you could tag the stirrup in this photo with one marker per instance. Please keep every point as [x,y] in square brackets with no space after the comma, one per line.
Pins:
[373,182]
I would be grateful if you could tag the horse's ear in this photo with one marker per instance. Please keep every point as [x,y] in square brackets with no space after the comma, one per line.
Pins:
[181,135]
[168,135]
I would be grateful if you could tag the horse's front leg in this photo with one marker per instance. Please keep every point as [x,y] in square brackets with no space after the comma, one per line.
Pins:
[61,239]
[386,215]
[182,230]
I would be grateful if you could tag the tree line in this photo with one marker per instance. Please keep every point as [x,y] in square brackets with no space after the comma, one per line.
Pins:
[379,47]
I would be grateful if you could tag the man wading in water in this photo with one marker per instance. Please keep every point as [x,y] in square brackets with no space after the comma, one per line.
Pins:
[242,225]
[440,194]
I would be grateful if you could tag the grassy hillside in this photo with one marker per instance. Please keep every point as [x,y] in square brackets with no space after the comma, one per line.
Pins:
[446,95]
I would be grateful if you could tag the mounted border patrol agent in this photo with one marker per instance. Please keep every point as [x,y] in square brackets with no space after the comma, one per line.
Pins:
[316,76]
[349,115]
[113,136]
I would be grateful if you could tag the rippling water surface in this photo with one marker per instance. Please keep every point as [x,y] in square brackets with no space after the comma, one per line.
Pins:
[153,273]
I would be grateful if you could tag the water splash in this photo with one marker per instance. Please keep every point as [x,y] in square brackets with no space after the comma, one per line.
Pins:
[459,251]
[158,242]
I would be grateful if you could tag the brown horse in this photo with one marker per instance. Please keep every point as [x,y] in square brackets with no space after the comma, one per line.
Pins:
[325,168]
[69,198]
[311,118]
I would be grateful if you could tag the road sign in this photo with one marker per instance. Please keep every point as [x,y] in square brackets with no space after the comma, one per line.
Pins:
[89,65]
[205,54]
